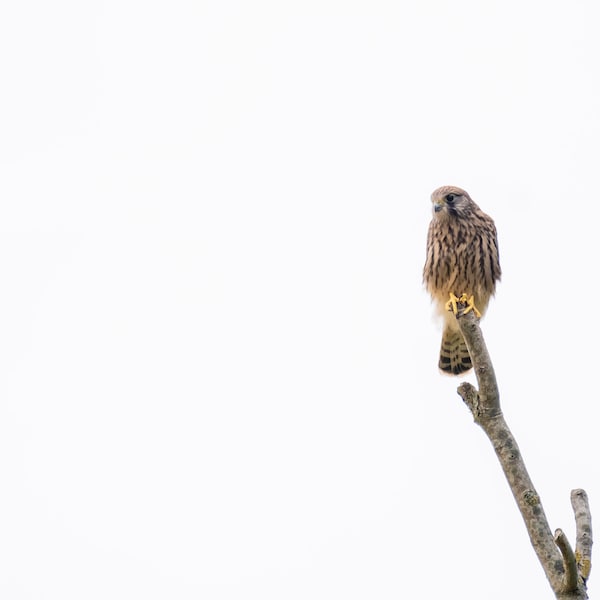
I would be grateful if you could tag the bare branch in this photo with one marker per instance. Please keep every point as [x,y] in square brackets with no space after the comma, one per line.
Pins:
[489,404]
[583,522]
[571,576]
[561,565]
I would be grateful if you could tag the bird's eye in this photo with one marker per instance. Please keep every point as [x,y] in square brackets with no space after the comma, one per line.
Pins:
[450,198]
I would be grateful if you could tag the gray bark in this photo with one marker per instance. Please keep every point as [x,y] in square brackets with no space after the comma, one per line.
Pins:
[567,570]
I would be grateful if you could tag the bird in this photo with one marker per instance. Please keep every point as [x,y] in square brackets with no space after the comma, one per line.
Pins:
[462,266]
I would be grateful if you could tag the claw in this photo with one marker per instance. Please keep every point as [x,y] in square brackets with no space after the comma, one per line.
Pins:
[470,305]
[452,304]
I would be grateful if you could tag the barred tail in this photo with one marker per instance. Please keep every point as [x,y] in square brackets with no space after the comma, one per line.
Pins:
[454,356]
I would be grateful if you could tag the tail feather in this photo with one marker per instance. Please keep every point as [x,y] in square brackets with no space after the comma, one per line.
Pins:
[454,356]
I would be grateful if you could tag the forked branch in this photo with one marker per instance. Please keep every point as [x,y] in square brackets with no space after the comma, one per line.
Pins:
[567,571]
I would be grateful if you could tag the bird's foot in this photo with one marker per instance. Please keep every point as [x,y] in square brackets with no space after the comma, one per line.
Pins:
[469,303]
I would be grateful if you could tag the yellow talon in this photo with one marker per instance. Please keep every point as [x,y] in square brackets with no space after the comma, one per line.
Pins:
[470,302]
[452,304]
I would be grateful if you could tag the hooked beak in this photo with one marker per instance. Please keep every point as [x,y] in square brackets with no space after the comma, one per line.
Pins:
[437,206]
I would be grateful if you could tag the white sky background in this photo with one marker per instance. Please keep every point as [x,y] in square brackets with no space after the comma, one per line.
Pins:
[218,364]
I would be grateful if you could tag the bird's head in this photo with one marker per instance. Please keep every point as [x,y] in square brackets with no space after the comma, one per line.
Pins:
[450,201]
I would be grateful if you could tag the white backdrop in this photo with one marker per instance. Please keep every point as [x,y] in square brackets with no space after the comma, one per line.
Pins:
[217,362]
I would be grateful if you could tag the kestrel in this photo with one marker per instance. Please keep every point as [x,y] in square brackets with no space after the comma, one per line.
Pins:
[462,265]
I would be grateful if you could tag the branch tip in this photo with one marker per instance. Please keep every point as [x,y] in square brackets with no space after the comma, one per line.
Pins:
[470,397]
[584,539]
[569,561]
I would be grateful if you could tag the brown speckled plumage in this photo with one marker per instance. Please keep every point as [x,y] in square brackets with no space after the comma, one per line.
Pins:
[462,258]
